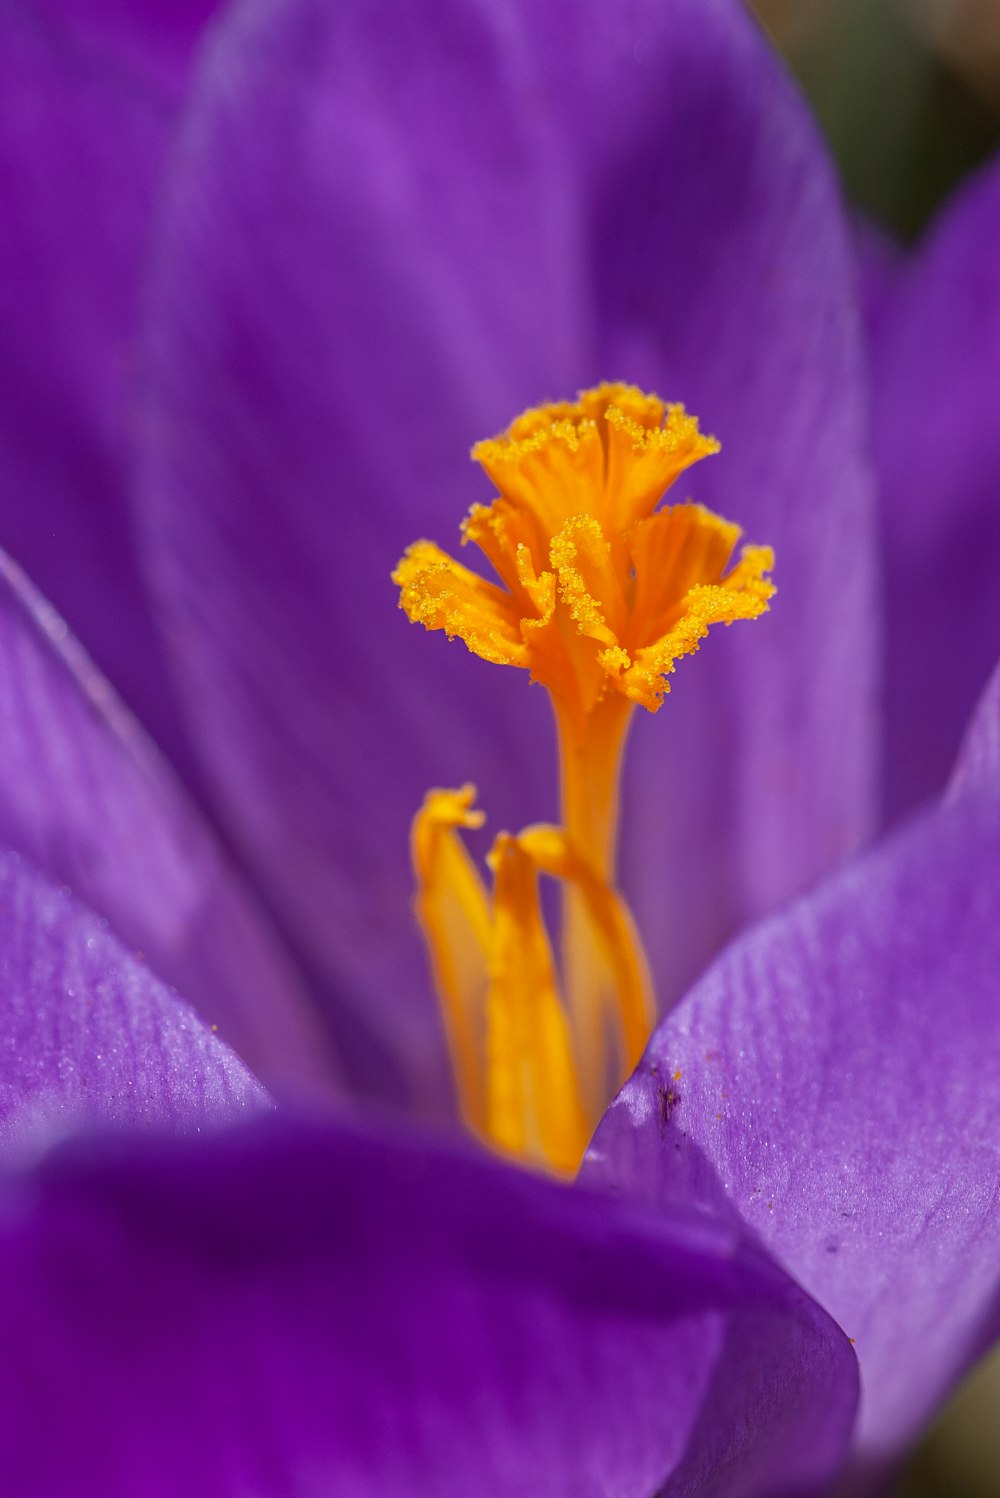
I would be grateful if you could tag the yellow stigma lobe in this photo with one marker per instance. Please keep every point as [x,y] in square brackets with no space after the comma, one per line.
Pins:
[598,594]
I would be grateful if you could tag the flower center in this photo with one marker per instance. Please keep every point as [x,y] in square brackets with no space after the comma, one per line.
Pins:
[599,594]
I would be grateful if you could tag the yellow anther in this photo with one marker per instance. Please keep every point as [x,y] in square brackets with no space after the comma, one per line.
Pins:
[599,594]
[553,853]
[494,970]
[453,909]
[533,1103]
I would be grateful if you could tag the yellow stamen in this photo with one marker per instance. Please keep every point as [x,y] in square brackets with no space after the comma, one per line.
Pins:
[611,921]
[453,909]
[599,595]
[493,967]
[533,1103]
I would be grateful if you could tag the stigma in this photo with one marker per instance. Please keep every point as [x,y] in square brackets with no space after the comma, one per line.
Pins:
[597,591]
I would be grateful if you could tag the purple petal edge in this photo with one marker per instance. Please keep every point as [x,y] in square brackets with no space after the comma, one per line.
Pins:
[292,1309]
[978,765]
[89,1038]
[936,364]
[834,1084]
[91,92]
[86,797]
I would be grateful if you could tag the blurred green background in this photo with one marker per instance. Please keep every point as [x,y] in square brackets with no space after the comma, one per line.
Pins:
[908,93]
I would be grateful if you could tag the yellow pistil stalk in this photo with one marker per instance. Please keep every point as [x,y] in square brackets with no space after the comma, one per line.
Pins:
[599,594]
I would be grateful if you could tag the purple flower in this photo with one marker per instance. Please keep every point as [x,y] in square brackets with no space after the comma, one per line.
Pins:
[266,282]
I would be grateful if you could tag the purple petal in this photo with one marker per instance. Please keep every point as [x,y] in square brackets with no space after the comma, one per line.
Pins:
[85,110]
[289,1311]
[86,798]
[937,372]
[724,276]
[151,39]
[835,1082]
[978,764]
[381,244]
[880,261]
[90,1037]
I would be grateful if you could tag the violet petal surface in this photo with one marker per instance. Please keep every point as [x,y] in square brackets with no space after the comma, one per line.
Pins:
[978,765]
[90,94]
[90,1038]
[86,797]
[299,1311]
[834,1083]
[936,363]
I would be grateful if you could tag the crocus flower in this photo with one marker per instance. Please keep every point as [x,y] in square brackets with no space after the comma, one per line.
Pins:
[359,248]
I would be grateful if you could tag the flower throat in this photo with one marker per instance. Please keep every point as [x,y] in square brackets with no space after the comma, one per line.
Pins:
[599,594]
